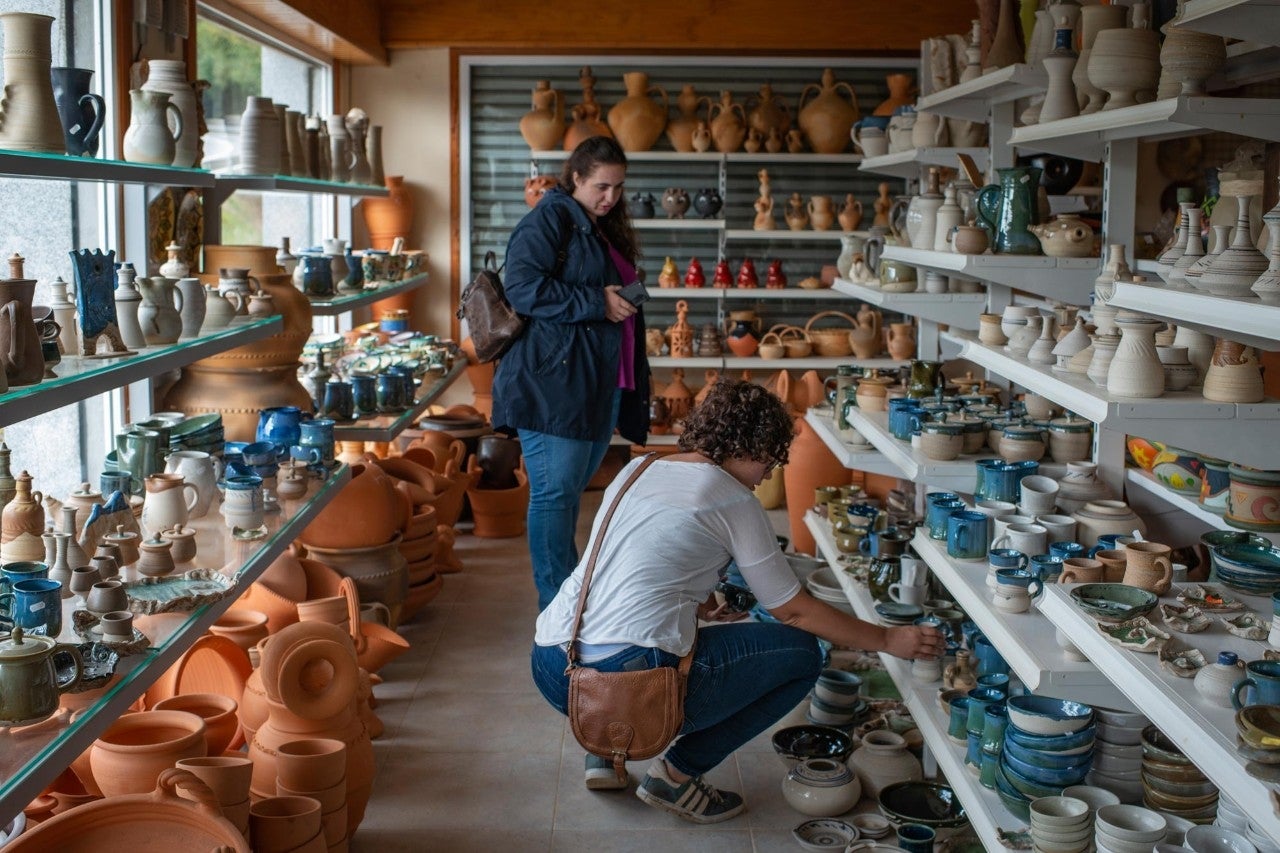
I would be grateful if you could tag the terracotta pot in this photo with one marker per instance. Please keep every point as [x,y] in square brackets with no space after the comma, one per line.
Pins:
[811,465]
[901,340]
[380,573]
[285,577]
[543,126]
[412,479]
[258,260]
[237,394]
[422,524]
[451,489]
[500,513]
[279,824]
[362,515]
[727,122]
[228,776]
[221,724]
[637,121]
[211,665]
[419,550]
[435,448]
[311,763]
[828,118]
[279,610]
[131,754]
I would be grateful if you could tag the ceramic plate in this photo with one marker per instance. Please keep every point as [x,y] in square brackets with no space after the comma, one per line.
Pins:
[1247,626]
[1136,635]
[1180,659]
[177,592]
[824,834]
[1209,598]
[1185,619]
[1113,602]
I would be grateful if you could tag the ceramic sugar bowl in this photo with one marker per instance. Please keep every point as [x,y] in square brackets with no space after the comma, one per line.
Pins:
[31,677]
[821,787]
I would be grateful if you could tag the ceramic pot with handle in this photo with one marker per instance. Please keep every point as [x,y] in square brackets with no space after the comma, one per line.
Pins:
[32,679]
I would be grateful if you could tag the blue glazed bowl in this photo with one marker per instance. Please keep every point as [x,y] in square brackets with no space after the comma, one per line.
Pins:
[1045,715]
[1030,788]
[1076,742]
[1052,776]
[1030,757]
[1014,800]
[1247,560]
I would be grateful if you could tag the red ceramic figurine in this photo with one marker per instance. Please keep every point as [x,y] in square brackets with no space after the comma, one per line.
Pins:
[776,279]
[747,277]
[722,277]
[693,276]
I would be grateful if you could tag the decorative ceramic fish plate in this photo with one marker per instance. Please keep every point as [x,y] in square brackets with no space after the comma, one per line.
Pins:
[1136,635]
[1186,619]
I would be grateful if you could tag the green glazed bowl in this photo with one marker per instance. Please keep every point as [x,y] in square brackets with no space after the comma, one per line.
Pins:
[1113,602]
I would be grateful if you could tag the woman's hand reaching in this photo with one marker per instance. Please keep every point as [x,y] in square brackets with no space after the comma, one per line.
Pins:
[616,309]
[914,641]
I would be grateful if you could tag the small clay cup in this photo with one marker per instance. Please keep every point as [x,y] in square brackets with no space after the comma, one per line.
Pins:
[229,776]
[311,763]
[1113,562]
[117,625]
[1148,566]
[106,596]
[1081,570]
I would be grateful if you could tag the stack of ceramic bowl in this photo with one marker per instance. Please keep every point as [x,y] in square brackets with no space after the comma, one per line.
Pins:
[932,804]
[892,613]
[1232,818]
[1128,829]
[1250,566]
[836,699]
[1048,746]
[1258,730]
[800,743]
[822,585]
[1061,825]
[202,432]
[1171,783]
[803,565]
[1117,761]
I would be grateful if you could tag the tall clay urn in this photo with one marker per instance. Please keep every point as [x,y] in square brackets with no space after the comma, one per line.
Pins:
[638,120]
[390,217]
[29,114]
[827,119]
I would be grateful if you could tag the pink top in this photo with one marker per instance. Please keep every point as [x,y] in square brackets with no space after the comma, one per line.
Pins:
[627,357]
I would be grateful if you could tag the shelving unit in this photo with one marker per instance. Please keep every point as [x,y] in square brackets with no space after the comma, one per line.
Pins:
[754,235]
[757,363]
[387,427]
[907,164]
[227,185]
[741,294]
[1252,20]
[1146,481]
[973,99]
[909,462]
[1025,640]
[81,378]
[1204,732]
[983,806]
[1064,279]
[345,302]
[1086,136]
[678,224]
[959,310]
[1182,418]
[33,756]
[1247,320]
[857,457]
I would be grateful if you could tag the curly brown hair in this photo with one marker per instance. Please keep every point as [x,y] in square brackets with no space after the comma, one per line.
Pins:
[739,420]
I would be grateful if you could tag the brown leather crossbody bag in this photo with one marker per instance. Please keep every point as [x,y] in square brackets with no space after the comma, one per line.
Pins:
[623,716]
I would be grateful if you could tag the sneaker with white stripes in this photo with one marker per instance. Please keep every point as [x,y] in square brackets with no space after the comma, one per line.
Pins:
[601,776]
[694,800]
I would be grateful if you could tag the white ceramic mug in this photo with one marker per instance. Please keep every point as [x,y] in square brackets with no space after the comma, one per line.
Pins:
[1011,599]
[914,570]
[1001,526]
[872,144]
[907,593]
[1062,528]
[1037,494]
[1027,538]
[243,507]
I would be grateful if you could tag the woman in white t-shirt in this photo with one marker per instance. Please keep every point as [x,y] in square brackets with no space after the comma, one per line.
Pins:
[673,535]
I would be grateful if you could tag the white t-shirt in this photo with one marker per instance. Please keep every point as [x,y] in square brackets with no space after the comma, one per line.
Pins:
[675,530]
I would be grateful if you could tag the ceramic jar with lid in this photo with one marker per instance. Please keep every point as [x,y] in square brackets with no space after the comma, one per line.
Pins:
[183,543]
[127,542]
[1215,681]
[821,787]
[1100,517]
[1070,438]
[156,559]
[30,681]
[1022,444]
[942,440]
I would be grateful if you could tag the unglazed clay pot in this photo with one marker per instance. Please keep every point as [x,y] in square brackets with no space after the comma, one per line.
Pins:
[727,122]
[391,217]
[363,514]
[1126,64]
[221,724]
[680,129]
[380,572]
[637,121]
[1188,59]
[902,340]
[246,628]
[499,513]
[136,748]
[882,759]
[1100,517]
[543,126]
[811,465]
[827,119]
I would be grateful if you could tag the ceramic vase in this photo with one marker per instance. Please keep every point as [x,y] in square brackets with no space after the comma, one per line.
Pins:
[1267,285]
[29,112]
[1104,349]
[727,122]
[1060,97]
[680,129]
[1135,369]
[828,118]
[1126,64]
[1235,269]
[170,75]
[1006,45]
[1192,250]
[543,126]
[259,137]
[637,121]
[1215,681]
[821,787]
[882,760]
[1188,59]
[1234,374]
[901,340]
[1093,20]
[356,122]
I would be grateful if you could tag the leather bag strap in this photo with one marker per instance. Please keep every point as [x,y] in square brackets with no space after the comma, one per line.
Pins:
[572,652]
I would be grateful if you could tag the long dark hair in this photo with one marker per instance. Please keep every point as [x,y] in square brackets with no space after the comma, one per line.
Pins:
[616,224]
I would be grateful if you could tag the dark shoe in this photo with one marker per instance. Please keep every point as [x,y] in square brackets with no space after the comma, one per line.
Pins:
[601,776]
[694,800]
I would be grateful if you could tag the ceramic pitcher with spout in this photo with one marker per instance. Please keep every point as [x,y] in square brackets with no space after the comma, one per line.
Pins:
[168,503]
[160,312]
[29,114]
[1007,210]
[149,139]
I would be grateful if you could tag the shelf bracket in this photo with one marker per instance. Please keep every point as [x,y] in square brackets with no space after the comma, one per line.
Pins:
[1119,189]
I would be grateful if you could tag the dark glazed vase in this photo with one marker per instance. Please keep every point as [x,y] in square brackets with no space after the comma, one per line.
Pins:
[80,111]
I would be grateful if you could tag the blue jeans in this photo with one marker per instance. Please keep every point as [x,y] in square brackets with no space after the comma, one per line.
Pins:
[744,678]
[559,470]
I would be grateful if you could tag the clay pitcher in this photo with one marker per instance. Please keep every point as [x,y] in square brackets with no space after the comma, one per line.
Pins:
[680,129]
[1007,210]
[24,513]
[543,126]
[160,312]
[828,118]
[637,120]
[19,338]
[770,116]
[170,75]
[29,114]
[867,337]
[728,123]
[822,212]
[168,503]
[149,139]
[902,340]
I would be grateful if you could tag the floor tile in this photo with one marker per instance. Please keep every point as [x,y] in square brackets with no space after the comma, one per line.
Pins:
[450,721]
[762,777]
[699,840]
[411,838]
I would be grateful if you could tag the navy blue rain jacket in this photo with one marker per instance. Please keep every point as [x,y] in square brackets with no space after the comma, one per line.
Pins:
[560,374]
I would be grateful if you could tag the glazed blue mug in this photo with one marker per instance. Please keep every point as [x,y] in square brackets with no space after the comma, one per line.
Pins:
[1020,578]
[988,657]
[937,514]
[1006,558]
[35,605]
[280,425]
[408,382]
[996,719]
[390,392]
[916,838]
[1047,567]
[890,542]
[958,721]
[115,481]
[316,274]
[1111,542]
[317,435]
[1066,550]
[939,497]
[364,388]
[967,535]
[11,573]
[306,455]
[905,420]
[980,699]
[339,401]
[1263,676]
[1001,480]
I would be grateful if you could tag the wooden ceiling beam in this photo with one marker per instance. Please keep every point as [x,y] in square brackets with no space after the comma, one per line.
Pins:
[708,26]
[345,30]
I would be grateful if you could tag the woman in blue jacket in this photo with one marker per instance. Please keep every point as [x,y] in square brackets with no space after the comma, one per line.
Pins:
[579,369]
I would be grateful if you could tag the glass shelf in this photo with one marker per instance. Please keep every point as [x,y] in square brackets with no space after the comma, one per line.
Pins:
[343,303]
[387,427]
[228,184]
[31,757]
[31,164]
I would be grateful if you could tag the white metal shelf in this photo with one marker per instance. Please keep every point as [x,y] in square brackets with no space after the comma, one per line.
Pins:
[1025,640]
[1145,480]
[1064,279]
[986,812]
[1243,319]
[1086,136]
[906,164]
[387,427]
[689,224]
[1245,432]
[81,378]
[742,294]
[1205,733]
[804,234]
[31,164]
[33,756]
[972,99]
[911,464]
[788,157]
[1252,20]
[754,362]
[960,310]
[858,458]
[343,303]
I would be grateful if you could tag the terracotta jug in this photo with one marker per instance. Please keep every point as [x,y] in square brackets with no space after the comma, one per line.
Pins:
[902,91]
[20,351]
[586,115]
[797,213]
[543,126]
[828,118]
[822,212]
[24,513]
[637,120]
[728,123]
[769,116]
[867,337]
[851,214]
[902,340]
[680,129]
[29,114]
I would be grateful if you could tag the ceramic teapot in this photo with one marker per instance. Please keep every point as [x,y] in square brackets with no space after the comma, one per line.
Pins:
[29,677]
[1067,236]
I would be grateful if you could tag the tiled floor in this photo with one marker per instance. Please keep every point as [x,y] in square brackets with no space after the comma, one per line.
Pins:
[473,758]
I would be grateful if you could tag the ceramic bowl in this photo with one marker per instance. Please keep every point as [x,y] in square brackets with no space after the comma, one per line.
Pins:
[1249,567]
[826,714]
[871,825]
[934,805]
[1105,842]
[1233,537]
[1096,798]
[796,743]
[1180,774]
[1130,719]
[1045,715]
[1121,735]
[1075,742]
[1047,760]
[1075,835]
[1050,777]
[1259,726]
[1215,839]
[1177,831]
[1014,800]
[1114,764]
[1131,823]
[838,687]
[1113,602]
[824,834]
[1157,747]
[1179,805]
[1128,752]
[1029,787]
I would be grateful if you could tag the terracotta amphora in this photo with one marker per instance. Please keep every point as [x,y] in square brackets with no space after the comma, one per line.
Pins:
[769,116]
[680,129]
[851,214]
[543,126]
[822,212]
[728,123]
[828,118]
[586,115]
[637,120]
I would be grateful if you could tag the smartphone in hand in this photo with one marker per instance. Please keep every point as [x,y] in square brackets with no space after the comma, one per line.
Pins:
[635,293]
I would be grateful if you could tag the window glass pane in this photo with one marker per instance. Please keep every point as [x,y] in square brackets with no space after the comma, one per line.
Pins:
[239,65]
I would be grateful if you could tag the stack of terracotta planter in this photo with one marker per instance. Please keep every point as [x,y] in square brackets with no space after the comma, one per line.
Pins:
[500,497]
[316,768]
